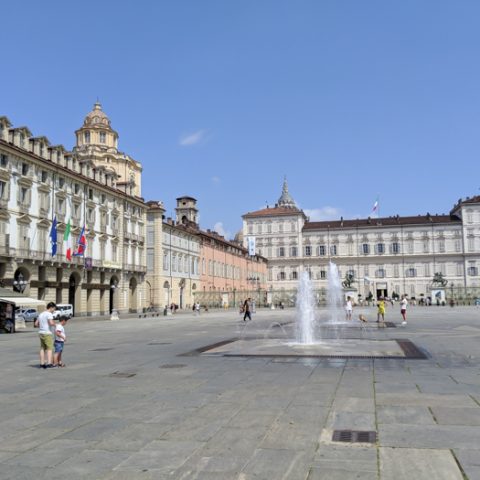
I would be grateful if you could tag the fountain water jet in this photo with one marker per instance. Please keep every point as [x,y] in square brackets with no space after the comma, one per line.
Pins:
[305,310]
[335,296]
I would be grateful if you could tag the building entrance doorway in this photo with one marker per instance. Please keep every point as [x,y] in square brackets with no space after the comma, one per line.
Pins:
[382,292]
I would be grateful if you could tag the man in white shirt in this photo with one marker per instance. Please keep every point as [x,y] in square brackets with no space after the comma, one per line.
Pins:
[45,321]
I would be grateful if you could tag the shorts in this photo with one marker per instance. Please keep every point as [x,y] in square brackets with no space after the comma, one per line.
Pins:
[59,346]
[46,341]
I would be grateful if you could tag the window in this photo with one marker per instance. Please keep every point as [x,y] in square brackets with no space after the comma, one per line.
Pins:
[427,269]
[293,251]
[280,227]
[86,137]
[76,188]
[380,248]
[281,276]
[269,228]
[23,195]
[471,244]
[44,176]
[365,248]
[308,251]
[472,271]
[174,263]
[3,190]
[25,168]
[259,228]
[41,150]
[114,252]
[102,137]
[395,247]
[333,250]
[90,215]
[22,140]
[441,246]
[457,246]
[165,261]
[321,250]
[281,251]
[380,273]
[60,182]
[459,268]
[425,246]
[3,161]
[411,272]
[396,272]
[323,274]
[294,275]
[150,260]
[293,227]
[90,194]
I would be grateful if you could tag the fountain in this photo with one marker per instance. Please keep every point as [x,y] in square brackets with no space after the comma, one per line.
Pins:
[306,345]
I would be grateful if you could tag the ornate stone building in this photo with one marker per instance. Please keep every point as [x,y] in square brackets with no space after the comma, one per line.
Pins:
[173,250]
[386,256]
[39,182]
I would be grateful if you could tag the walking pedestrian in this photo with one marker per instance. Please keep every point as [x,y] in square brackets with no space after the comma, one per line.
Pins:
[246,309]
[45,322]
[403,309]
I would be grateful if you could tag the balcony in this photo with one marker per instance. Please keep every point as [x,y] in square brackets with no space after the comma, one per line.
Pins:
[131,267]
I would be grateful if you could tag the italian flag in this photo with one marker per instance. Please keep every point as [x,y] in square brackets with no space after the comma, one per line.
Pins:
[67,240]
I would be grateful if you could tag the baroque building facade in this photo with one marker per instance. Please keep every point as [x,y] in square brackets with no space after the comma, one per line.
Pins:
[186,264]
[384,256]
[40,182]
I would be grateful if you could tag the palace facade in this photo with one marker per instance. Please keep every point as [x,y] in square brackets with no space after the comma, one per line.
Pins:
[385,256]
[40,182]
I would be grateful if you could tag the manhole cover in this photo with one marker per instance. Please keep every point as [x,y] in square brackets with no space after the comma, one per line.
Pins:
[101,349]
[122,374]
[354,436]
[173,365]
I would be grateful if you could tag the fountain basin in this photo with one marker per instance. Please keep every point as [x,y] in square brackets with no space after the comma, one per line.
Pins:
[344,348]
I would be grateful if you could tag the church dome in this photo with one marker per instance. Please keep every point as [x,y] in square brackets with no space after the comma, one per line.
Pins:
[239,237]
[97,117]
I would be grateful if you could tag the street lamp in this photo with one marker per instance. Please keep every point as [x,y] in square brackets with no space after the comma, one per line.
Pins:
[20,284]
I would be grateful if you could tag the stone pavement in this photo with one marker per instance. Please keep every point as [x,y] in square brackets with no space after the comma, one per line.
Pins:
[127,406]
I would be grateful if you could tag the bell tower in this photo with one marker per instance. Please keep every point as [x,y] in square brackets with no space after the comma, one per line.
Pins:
[187,211]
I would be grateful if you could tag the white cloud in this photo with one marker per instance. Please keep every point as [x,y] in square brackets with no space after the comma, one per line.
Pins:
[189,139]
[219,228]
[216,180]
[324,213]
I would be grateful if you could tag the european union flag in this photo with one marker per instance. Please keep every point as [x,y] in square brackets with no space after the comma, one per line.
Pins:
[53,236]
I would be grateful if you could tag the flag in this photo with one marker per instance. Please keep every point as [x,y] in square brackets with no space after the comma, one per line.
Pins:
[81,244]
[53,236]
[67,240]
[375,207]
[251,246]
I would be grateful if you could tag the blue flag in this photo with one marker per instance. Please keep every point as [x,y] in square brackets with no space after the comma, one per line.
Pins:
[53,236]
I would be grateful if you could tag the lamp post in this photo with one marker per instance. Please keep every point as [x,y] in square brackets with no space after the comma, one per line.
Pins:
[255,281]
[20,284]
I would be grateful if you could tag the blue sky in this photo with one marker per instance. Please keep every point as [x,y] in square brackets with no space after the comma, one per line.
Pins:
[219,100]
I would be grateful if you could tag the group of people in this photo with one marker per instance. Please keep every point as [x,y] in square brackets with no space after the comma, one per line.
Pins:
[52,337]
[381,306]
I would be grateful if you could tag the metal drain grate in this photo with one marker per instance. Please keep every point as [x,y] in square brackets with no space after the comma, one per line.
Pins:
[122,374]
[173,365]
[354,436]
[101,349]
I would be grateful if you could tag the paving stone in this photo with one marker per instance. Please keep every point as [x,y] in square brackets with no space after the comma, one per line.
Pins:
[277,464]
[403,414]
[427,400]
[338,473]
[351,421]
[163,455]
[408,463]
[429,436]
[457,416]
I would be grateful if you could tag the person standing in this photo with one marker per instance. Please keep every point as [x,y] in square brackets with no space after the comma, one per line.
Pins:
[197,309]
[381,311]
[403,309]
[246,309]
[348,308]
[45,322]
[60,339]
